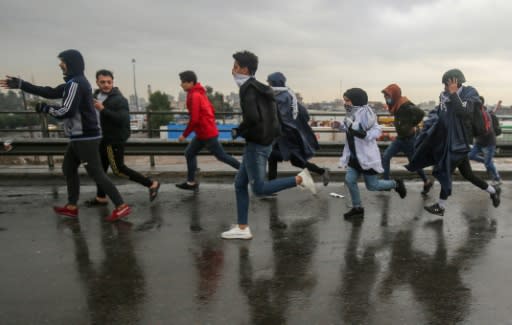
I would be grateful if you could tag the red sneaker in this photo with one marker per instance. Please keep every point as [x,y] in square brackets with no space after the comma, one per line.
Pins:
[119,213]
[65,211]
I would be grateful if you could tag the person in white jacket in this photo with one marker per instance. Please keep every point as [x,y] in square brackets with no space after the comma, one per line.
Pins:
[361,155]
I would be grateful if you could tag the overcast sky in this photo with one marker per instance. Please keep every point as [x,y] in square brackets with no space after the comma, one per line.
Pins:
[321,46]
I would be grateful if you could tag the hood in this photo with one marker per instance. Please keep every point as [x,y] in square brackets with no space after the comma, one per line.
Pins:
[260,87]
[276,79]
[74,62]
[198,88]
[469,93]
[395,93]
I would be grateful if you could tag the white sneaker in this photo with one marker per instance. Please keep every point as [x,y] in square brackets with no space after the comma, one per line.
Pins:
[236,233]
[307,181]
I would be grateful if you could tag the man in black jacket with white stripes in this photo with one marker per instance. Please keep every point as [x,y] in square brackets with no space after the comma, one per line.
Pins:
[80,124]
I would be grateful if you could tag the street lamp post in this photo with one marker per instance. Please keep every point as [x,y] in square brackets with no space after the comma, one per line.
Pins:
[135,87]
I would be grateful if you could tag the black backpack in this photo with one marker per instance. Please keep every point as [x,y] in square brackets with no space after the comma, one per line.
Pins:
[495,124]
[477,120]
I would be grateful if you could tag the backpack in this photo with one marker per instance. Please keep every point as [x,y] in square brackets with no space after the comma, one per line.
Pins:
[495,124]
[477,121]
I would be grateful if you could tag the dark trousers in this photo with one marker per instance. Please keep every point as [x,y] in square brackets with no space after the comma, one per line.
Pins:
[86,152]
[113,155]
[276,157]
[405,145]
[467,172]
[213,145]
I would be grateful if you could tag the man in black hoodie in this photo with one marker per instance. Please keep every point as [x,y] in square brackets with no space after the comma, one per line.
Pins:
[259,127]
[80,123]
[115,126]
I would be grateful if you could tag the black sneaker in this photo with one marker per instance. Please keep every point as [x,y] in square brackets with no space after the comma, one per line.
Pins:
[326,176]
[355,212]
[187,186]
[400,188]
[496,197]
[427,186]
[435,209]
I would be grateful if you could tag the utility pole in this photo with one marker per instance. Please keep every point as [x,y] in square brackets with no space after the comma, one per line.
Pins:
[135,87]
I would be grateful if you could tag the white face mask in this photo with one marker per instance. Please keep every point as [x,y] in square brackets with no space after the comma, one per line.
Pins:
[240,79]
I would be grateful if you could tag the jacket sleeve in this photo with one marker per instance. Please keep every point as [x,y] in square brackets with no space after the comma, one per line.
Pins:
[116,111]
[373,133]
[193,111]
[46,92]
[250,112]
[70,101]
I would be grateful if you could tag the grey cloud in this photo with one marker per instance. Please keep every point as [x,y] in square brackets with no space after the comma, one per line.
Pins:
[316,43]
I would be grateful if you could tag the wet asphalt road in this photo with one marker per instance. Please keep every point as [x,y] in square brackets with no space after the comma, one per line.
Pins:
[305,265]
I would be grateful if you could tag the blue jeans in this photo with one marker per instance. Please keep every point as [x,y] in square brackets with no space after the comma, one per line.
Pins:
[252,171]
[487,159]
[373,183]
[405,145]
[213,145]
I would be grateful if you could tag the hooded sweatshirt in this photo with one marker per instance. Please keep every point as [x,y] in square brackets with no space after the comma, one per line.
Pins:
[77,109]
[260,123]
[202,114]
[407,115]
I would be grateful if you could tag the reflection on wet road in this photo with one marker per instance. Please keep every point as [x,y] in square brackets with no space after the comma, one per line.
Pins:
[166,264]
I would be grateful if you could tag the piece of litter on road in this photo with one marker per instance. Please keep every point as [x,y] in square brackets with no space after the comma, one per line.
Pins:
[336,195]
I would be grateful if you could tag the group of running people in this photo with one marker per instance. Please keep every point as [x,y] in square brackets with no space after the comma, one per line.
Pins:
[275,126]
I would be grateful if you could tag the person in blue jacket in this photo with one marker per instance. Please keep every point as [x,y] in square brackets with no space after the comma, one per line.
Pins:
[297,142]
[445,138]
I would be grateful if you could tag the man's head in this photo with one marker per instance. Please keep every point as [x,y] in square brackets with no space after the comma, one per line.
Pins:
[276,79]
[188,80]
[453,75]
[71,63]
[105,80]
[246,63]
[355,97]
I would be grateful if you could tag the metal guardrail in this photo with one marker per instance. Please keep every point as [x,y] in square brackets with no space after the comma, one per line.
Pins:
[49,146]
[142,147]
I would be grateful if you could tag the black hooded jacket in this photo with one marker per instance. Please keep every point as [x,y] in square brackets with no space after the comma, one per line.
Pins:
[115,117]
[77,110]
[260,122]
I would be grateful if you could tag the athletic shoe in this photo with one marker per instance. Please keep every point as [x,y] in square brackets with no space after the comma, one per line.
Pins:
[427,186]
[435,209]
[65,211]
[187,186]
[119,213]
[354,213]
[496,197]
[400,188]
[236,233]
[307,181]
[326,176]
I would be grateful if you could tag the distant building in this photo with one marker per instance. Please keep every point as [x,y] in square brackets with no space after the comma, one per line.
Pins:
[233,100]
[182,100]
